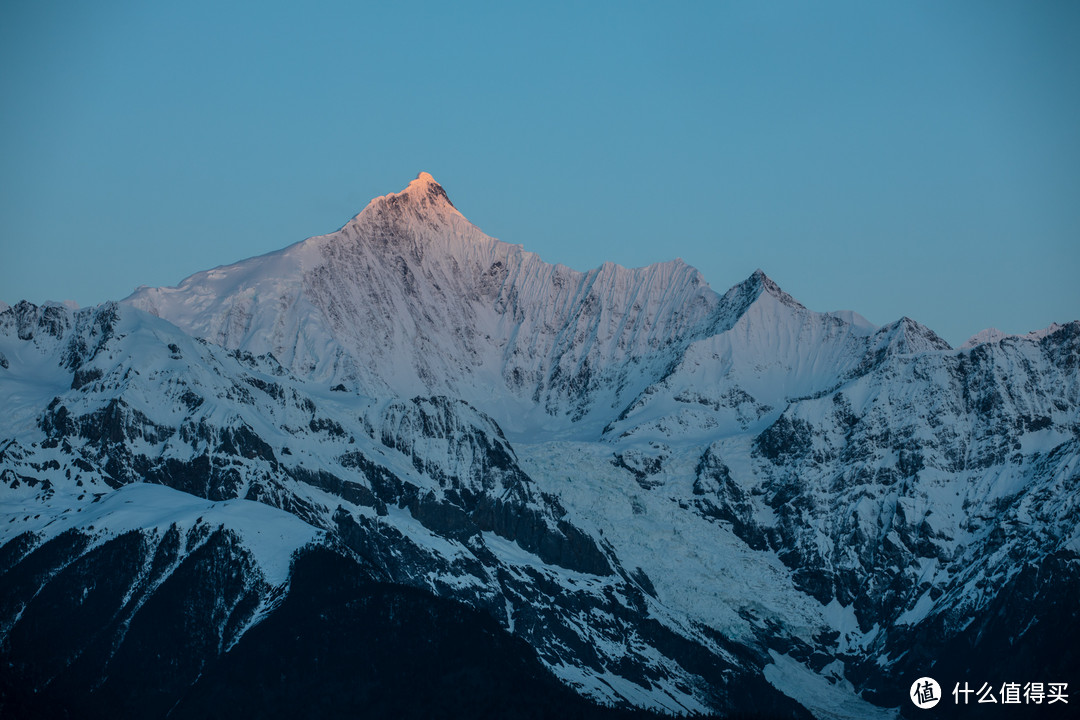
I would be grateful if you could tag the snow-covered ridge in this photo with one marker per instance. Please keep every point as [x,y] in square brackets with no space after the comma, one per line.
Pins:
[272,535]
[410,298]
[993,335]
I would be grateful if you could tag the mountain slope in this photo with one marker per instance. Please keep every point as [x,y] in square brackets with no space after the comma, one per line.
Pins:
[424,493]
[677,499]
[410,298]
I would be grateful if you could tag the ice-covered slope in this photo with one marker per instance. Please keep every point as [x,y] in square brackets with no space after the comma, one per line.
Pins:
[767,352]
[425,492]
[922,503]
[410,298]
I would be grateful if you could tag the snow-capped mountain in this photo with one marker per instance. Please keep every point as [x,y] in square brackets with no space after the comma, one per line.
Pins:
[410,298]
[669,498]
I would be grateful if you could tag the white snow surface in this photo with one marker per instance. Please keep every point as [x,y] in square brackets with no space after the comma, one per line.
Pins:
[835,700]
[410,298]
[665,418]
[993,335]
[270,534]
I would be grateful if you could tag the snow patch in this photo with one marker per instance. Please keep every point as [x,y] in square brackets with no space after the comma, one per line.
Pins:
[826,700]
[270,534]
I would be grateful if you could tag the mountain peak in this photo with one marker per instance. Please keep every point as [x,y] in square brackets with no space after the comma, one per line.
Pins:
[742,296]
[989,335]
[759,283]
[422,200]
[910,336]
[425,189]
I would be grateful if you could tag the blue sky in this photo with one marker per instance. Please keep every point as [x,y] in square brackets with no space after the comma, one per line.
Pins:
[893,158]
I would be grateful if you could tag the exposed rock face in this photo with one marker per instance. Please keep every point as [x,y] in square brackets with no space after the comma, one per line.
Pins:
[668,498]
[184,643]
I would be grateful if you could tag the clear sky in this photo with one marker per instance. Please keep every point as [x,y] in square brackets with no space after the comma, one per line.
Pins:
[893,158]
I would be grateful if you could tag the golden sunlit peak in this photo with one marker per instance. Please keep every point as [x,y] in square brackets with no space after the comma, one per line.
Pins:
[425,187]
[423,181]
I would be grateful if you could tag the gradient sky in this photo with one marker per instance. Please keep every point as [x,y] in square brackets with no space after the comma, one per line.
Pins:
[893,158]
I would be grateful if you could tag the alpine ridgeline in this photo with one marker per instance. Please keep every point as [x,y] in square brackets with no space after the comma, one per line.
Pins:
[411,468]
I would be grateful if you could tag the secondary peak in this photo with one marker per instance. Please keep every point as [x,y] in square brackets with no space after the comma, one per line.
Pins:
[761,284]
